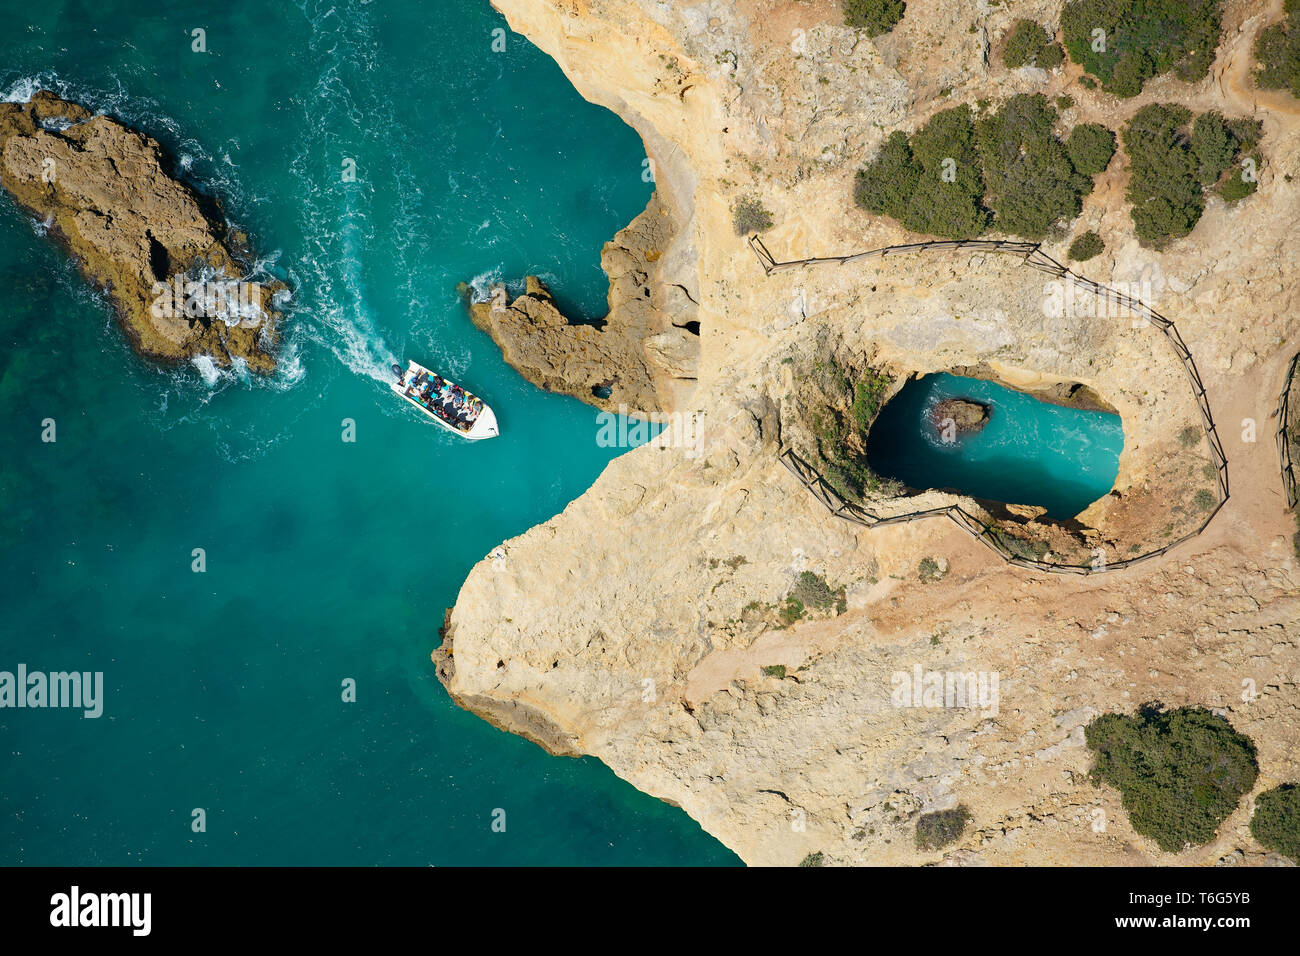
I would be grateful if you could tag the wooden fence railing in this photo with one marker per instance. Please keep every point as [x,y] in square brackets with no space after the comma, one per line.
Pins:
[1283,415]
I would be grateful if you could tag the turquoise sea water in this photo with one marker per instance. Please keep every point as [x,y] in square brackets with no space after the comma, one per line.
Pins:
[325,560]
[1030,452]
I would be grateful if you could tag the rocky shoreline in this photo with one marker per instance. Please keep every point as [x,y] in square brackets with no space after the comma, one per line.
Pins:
[655,666]
[641,358]
[171,272]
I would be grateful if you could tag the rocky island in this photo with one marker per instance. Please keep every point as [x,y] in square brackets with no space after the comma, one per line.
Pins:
[966,416]
[690,663]
[643,356]
[166,264]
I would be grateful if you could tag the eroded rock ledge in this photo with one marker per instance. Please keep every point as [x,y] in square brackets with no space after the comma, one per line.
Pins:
[100,188]
[642,357]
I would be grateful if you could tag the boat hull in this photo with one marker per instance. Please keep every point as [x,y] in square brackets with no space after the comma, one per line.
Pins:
[485,423]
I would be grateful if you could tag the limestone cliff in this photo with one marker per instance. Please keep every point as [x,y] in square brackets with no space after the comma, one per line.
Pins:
[101,189]
[665,658]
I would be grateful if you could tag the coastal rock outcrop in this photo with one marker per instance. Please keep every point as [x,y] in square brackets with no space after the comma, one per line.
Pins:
[643,357]
[101,189]
[965,415]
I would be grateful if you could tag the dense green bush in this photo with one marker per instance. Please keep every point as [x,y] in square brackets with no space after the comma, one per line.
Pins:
[1171,168]
[1030,180]
[932,183]
[956,176]
[1142,39]
[1029,44]
[888,182]
[1090,147]
[1180,773]
[873,17]
[1166,196]
[1216,143]
[941,828]
[1276,823]
[1277,48]
[949,186]
[1086,246]
[749,215]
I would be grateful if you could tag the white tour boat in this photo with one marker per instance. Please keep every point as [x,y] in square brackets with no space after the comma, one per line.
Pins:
[455,409]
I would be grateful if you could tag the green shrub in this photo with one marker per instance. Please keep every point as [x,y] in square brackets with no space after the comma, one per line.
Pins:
[1213,147]
[949,186]
[1029,44]
[813,859]
[1031,182]
[1216,145]
[813,591]
[1277,48]
[1090,147]
[1189,437]
[774,670]
[929,570]
[1143,39]
[1086,246]
[790,611]
[941,828]
[1238,186]
[873,17]
[1180,773]
[953,172]
[1166,196]
[1276,823]
[1029,549]
[750,216]
[886,186]
[1204,500]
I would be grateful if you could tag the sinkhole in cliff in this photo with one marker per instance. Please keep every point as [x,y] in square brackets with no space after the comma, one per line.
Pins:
[1026,451]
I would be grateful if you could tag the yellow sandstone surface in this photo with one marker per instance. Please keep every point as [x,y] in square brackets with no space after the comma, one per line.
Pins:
[636,625]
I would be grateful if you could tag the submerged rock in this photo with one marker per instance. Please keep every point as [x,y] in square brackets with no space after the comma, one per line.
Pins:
[964,415]
[143,237]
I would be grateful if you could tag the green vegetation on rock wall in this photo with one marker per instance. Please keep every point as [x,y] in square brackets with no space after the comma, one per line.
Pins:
[840,430]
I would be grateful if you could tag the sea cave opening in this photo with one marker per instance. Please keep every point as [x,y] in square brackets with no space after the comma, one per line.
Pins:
[979,438]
